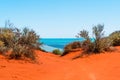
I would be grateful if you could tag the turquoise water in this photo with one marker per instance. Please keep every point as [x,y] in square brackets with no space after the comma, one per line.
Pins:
[49,44]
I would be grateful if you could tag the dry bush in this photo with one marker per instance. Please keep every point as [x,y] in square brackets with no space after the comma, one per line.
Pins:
[24,43]
[6,36]
[71,46]
[115,38]
[29,38]
[99,44]
[21,43]
[22,52]
[87,46]
[3,49]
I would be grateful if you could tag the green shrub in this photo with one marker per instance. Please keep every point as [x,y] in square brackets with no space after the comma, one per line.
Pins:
[115,37]
[24,43]
[1,43]
[21,43]
[57,52]
[3,50]
[29,38]
[87,46]
[21,52]
[6,36]
[74,45]
[99,44]
[17,52]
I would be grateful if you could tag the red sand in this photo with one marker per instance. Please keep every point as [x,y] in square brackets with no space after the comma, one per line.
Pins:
[51,67]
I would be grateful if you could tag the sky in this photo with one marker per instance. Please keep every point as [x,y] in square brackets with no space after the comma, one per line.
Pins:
[61,18]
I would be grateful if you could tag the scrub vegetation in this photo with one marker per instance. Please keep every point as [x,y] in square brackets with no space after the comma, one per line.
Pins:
[20,43]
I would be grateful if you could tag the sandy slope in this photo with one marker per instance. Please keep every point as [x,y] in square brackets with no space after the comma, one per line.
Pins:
[51,67]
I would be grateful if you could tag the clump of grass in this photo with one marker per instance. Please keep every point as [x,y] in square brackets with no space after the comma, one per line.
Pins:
[57,52]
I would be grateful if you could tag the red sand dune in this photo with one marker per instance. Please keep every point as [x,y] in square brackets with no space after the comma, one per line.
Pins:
[105,66]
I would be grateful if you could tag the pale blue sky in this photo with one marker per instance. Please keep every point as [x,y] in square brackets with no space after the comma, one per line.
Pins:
[61,18]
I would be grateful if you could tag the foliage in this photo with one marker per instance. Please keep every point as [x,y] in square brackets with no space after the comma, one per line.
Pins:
[3,49]
[24,43]
[99,44]
[83,34]
[21,43]
[71,46]
[6,36]
[1,43]
[20,52]
[115,37]
[57,52]
[87,46]
[29,38]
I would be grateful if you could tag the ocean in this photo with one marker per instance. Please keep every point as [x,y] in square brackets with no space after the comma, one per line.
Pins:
[49,44]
